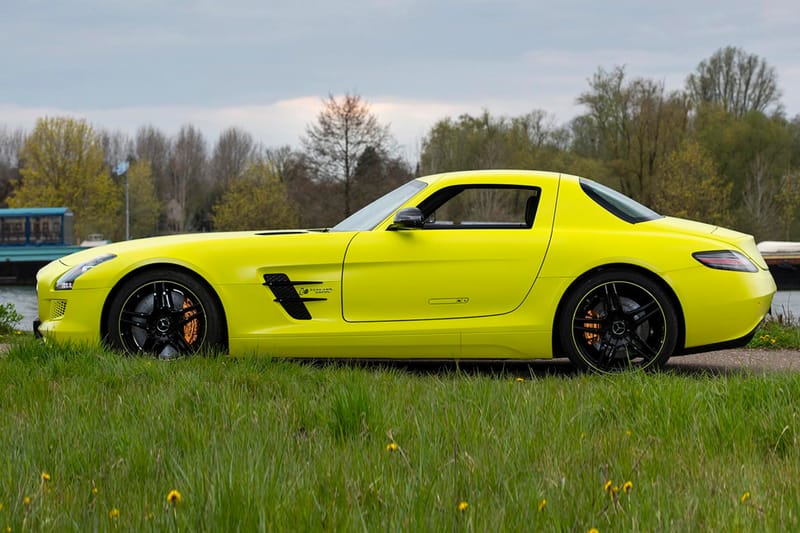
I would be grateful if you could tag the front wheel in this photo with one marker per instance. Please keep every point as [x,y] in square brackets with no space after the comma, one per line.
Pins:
[618,319]
[164,313]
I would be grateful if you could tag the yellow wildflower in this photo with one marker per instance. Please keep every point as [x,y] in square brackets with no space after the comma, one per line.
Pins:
[45,476]
[174,497]
[95,490]
[745,497]
[113,514]
[594,530]
[26,500]
[520,380]
[391,447]
[607,486]
[627,487]
[462,506]
[542,505]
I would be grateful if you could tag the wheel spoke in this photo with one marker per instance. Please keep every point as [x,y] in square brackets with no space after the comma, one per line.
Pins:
[161,297]
[648,310]
[612,297]
[132,318]
[640,346]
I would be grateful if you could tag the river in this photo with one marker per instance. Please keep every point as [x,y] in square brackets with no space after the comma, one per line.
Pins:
[785,303]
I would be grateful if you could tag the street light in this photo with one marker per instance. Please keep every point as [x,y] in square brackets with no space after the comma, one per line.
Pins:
[122,170]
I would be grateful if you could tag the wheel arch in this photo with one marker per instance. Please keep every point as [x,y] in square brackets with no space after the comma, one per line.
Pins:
[160,266]
[558,349]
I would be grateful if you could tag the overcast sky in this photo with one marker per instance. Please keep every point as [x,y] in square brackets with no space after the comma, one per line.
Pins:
[265,65]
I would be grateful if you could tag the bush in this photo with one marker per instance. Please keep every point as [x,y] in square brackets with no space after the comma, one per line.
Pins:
[9,318]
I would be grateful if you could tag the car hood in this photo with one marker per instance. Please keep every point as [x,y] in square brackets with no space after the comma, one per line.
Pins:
[170,241]
[734,239]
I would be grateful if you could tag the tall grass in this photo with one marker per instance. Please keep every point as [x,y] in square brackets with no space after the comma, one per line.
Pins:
[93,440]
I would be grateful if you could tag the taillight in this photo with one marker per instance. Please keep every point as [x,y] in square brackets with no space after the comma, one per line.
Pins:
[726,260]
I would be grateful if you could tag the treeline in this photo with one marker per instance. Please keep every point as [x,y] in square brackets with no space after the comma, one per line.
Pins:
[719,150]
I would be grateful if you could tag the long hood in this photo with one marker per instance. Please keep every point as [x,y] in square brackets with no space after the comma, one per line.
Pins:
[170,245]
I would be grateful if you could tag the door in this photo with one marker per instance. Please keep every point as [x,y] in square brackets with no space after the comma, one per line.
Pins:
[478,254]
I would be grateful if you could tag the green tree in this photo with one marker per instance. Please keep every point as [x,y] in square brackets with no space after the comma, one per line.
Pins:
[257,200]
[484,141]
[144,205]
[689,186]
[630,126]
[62,165]
[752,152]
[344,129]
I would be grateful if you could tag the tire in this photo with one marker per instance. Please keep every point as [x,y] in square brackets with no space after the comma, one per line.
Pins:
[165,313]
[618,319]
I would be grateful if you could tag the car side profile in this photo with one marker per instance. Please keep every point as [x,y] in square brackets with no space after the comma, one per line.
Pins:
[468,265]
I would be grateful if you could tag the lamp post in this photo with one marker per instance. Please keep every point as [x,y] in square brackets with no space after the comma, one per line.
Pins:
[122,170]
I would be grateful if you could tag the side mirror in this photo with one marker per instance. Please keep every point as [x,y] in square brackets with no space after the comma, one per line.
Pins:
[408,218]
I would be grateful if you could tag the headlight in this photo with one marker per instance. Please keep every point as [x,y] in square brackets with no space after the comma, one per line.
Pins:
[726,260]
[66,280]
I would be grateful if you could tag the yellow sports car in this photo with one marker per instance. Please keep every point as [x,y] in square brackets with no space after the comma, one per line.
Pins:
[468,265]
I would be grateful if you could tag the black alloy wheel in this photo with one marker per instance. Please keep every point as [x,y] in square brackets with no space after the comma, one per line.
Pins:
[618,319]
[166,314]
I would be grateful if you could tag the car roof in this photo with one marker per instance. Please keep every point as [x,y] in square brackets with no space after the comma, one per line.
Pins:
[492,176]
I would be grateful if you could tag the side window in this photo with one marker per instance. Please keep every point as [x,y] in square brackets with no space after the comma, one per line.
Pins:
[482,207]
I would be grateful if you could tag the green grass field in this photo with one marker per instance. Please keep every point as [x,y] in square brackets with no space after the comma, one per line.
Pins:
[94,441]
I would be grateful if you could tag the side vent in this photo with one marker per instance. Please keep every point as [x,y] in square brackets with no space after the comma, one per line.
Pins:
[285,294]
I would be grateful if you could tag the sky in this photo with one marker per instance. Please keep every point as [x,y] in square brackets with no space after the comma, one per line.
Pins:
[265,66]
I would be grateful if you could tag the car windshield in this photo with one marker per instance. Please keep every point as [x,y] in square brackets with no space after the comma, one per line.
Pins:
[617,203]
[370,216]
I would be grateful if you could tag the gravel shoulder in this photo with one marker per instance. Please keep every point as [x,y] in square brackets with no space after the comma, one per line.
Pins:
[738,360]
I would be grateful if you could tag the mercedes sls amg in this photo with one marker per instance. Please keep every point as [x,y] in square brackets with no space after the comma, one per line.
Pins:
[468,265]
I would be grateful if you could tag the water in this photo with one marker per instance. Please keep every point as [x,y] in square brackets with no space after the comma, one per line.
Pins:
[786,303]
[24,299]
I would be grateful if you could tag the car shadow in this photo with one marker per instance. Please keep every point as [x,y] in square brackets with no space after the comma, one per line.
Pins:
[560,367]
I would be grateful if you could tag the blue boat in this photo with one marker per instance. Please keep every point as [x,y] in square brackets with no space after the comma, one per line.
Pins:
[31,237]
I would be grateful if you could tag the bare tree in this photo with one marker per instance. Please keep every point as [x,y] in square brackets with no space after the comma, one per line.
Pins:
[153,146]
[759,199]
[116,147]
[334,144]
[232,153]
[188,186]
[11,143]
[737,81]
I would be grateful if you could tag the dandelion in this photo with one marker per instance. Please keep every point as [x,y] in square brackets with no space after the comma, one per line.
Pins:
[95,490]
[462,506]
[391,447]
[174,497]
[627,487]
[26,500]
[113,514]
[594,530]
[745,497]
[542,505]
[607,486]
[772,341]
[520,380]
[45,476]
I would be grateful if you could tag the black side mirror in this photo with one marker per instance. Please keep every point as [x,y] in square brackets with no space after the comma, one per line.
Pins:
[408,218]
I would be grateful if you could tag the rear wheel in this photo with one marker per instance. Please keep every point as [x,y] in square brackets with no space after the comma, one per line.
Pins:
[618,319]
[164,313]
